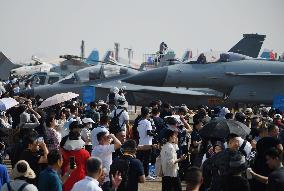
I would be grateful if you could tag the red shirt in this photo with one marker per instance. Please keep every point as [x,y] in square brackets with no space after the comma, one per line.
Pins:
[79,173]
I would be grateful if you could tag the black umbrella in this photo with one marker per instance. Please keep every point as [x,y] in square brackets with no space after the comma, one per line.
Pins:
[223,127]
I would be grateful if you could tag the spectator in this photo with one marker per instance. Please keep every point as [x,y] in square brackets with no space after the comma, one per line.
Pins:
[52,136]
[103,126]
[86,133]
[169,160]
[196,143]
[220,163]
[73,146]
[93,114]
[4,176]
[275,180]
[49,179]
[131,169]
[21,173]
[32,153]
[262,146]
[4,120]
[123,114]
[146,134]
[193,178]
[104,151]
[90,182]
[235,181]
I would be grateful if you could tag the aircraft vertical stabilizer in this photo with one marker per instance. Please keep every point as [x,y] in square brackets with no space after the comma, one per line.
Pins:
[93,57]
[186,56]
[6,66]
[250,45]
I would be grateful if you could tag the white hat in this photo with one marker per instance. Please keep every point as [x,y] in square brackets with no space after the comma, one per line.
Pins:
[277,116]
[22,168]
[88,120]
[248,110]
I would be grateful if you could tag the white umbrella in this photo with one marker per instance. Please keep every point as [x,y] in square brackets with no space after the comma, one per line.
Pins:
[58,98]
[7,103]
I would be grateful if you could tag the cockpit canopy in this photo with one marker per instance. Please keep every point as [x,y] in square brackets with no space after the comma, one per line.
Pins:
[96,73]
[212,57]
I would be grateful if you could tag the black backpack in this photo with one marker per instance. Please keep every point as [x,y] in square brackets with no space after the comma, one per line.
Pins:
[114,126]
[121,165]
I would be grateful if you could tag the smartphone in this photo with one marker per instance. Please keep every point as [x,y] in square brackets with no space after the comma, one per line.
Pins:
[72,162]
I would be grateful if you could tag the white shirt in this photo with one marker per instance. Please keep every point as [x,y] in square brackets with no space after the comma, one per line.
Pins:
[168,157]
[87,184]
[94,134]
[122,118]
[104,152]
[86,135]
[143,126]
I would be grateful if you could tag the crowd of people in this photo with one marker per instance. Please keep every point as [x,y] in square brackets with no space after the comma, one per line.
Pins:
[94,147]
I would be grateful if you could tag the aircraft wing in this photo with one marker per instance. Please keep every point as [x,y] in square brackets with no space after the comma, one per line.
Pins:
[256,74]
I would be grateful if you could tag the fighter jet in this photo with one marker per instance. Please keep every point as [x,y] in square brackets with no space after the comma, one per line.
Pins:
[239,79]
[65,65]
[104,77]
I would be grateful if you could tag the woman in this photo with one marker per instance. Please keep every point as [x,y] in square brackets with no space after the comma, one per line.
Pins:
[21,173]
[72,146]
[52,138]
[169,160]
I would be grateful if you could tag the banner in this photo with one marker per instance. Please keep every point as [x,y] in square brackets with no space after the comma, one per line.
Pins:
[88,93]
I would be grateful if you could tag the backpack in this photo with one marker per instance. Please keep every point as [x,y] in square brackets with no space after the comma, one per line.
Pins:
[114,123]
[20,189]
[122,166]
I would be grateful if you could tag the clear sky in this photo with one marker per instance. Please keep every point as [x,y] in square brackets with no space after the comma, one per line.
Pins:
[48,28]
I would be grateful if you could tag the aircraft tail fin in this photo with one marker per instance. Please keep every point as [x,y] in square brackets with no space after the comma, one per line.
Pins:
[268,55]
[7,66]
[93,58]
[109,56]
[186,56]
[250,45]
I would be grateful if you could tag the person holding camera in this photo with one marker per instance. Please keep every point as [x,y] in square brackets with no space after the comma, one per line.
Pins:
[146,134]
[35,153]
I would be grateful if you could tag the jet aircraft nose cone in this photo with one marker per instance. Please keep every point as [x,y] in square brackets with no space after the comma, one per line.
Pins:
[155,77]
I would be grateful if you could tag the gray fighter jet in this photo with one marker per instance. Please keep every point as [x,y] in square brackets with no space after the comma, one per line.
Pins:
[103,77]
[241,80]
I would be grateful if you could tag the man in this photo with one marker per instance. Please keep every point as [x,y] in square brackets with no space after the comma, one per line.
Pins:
[94,172]
[104,151]
[146,134]
[121,136]
[49,179]
[122,114]
[32,153]
[103,126]
[275,180]
[262,146]
[93,113]
[193,179]
[90,182]
[220,163]
[132,173]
